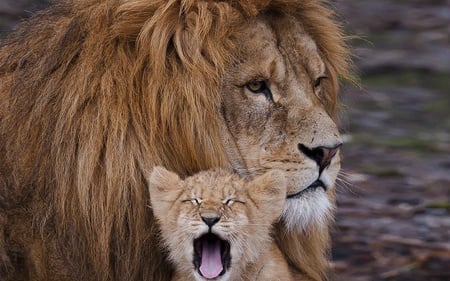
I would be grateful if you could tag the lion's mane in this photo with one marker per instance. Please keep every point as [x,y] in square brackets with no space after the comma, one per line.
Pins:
[95,93]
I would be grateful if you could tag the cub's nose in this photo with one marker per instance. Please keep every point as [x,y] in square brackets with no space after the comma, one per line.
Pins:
[322,155]
[210,220]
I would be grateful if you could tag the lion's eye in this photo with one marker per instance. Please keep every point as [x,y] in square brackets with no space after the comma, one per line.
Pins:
[259,87]
[256,86]
[318,81]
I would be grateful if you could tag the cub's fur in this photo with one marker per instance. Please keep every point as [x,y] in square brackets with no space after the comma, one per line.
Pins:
[217,225]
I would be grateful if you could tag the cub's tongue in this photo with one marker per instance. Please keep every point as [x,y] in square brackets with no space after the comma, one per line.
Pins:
[211,263]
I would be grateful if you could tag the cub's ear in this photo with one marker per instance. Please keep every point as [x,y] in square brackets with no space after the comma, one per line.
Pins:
[269,191]
[163,184]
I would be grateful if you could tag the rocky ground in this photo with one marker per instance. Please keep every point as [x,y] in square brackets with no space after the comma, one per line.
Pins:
[393,218]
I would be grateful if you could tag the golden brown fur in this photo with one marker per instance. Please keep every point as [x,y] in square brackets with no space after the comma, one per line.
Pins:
[246,212]
[92,94]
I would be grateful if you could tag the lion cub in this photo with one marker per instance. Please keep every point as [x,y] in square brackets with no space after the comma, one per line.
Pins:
[216,225]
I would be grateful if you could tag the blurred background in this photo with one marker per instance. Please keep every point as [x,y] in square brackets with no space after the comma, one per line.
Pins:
[393,218]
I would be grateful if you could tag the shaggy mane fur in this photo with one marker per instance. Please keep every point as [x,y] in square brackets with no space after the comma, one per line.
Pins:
[93,94]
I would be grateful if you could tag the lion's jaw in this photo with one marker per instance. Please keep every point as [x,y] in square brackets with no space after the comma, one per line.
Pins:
[313,204]
[269,125]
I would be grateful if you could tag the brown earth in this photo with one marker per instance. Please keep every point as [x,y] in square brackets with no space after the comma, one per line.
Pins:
[394,195]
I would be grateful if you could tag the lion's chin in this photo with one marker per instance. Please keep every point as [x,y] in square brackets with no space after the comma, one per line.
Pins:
[318,185]
[312,207]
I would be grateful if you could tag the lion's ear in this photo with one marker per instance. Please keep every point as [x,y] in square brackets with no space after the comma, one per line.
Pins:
[269,191]
[164,185]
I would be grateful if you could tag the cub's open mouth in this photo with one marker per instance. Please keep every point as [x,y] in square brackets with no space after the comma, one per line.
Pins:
[211,256]
[312,187]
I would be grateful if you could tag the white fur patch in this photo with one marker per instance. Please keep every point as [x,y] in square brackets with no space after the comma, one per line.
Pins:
[311,207]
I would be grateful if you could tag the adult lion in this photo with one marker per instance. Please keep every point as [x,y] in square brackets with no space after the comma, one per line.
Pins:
[94,93]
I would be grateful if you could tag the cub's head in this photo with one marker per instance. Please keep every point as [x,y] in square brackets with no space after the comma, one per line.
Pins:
[215,222]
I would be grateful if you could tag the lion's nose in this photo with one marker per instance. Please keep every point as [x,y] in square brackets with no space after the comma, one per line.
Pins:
[322,155]
[210,220]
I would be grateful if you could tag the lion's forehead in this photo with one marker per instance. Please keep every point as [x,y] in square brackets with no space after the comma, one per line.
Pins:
[268,50]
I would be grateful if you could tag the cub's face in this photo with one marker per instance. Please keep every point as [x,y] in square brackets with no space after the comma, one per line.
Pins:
[213,223]
[274,100]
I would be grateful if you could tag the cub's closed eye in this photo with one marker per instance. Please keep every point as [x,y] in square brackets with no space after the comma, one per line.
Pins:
[194,201]
[229,202]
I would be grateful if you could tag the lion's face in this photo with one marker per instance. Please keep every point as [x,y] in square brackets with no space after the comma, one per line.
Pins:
[215,223]
[273,106]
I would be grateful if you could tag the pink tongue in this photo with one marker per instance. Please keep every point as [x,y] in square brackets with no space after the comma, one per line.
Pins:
[211,265]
